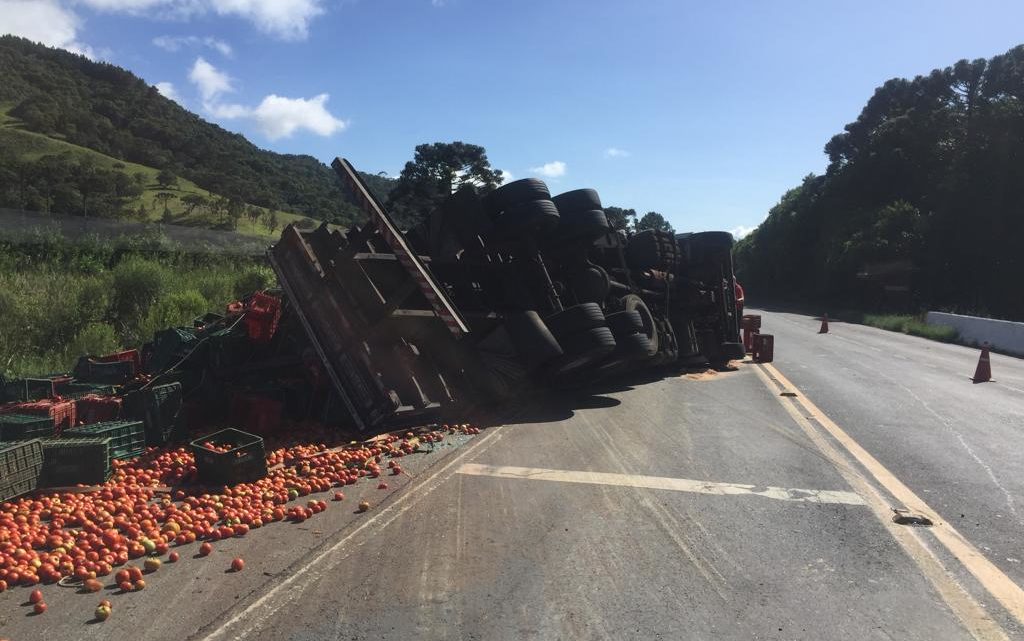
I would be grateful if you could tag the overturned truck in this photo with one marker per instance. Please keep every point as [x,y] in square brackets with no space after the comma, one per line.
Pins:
[495,293]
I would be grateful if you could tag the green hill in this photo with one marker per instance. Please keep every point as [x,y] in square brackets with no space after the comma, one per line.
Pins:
[56,107]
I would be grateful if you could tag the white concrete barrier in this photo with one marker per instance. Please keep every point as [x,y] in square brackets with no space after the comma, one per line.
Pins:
[1004,336]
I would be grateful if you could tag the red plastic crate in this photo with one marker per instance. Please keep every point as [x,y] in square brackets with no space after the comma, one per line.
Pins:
[764,348]
[131,355]
[261,317]
[255,413]
[62,412]
[94,408]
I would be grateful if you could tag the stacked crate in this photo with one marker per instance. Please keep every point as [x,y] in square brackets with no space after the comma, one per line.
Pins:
[20,465]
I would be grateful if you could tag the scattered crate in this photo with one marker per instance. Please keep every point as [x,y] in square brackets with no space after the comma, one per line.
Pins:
[70,461]
[257,413]
[32,389]
[77,389]
[93,408]
[159,408]
[20,465]
[242,458]
[126,439]
[764,348]
[61,412]
[262,315]
[17,427]
[93,370]
[131,355]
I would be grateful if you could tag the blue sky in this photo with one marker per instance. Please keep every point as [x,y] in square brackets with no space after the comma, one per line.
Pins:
[705,112]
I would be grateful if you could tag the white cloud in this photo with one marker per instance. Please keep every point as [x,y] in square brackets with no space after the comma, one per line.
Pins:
[506,176]
[741,230]
[552,169]
[279,117]
[43,21]
[285,19]
[615,152]
[176,43]
[210,81]
[167,90]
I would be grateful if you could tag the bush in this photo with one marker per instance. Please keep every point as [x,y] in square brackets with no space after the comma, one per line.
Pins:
[216,287]
[94,339]
[175,310]
[137,285]
[252,281]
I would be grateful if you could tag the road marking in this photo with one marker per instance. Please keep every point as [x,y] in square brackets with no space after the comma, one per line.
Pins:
[265,607]
[978,622]
[662,483]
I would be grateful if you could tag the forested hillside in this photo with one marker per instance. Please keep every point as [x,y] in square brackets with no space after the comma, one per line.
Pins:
[927,184]
[104,108]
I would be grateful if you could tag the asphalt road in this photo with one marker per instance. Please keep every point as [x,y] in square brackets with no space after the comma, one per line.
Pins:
[710,507]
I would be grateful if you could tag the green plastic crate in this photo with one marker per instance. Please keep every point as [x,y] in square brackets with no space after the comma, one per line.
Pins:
[17,427]
[127,438]
[79,389]
[70,461]
[20,465]
[159,408]
[245,462]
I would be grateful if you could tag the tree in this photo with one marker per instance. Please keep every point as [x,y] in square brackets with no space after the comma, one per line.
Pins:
[653,220]
[436,171]
[166,179]
[270,220]
[165,198]
[193,202]
[622,219]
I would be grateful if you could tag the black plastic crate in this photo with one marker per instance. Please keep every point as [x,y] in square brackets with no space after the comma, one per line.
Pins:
[70,461]
[29,389]
[159,408]
[127,439]
[113,372]
[20,464]
[16,427]
[78,389]
[244,461]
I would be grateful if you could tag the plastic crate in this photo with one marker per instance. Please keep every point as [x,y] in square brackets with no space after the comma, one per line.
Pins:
[20,464]
[262,315]
[256,412]
[16,426]
[127,439]
[130,355]
[70,461]
[93,408]
[77,389]
[169,346]
[244,461]
[32,389]
[93,370]
[62,412]
[159,408]
[200,322]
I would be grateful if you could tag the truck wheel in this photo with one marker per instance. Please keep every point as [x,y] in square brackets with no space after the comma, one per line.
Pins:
[652,249]
[577,200]
[534,217]
[631,347]
[633,303]
[575,319]
[582,225]
[591,284]
[625,323]
[583,348]
[515,192]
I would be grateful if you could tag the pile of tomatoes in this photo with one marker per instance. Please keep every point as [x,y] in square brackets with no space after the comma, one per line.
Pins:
[149,505]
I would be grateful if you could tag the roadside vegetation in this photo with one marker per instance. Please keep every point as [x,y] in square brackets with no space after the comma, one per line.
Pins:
[913,325]
[922,195]
[59,300]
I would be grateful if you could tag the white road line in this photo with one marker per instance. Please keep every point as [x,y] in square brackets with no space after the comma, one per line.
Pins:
[252,617]
[662,483]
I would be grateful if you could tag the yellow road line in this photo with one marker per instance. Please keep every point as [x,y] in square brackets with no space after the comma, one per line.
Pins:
[995,582]
[662,483]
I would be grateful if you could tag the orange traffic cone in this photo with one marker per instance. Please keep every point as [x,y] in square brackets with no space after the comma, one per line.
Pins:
[824,325]
[983,373]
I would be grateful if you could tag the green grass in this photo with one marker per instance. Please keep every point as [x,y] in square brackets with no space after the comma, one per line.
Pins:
[53,311]
[912,325]
[30,146]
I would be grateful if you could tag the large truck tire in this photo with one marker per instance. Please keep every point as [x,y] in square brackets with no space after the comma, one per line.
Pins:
[625,323]
[633,303]
[530,218]
[652,249]
[578,200]
[577,318]
[515,192]
[585,225]
[582,349]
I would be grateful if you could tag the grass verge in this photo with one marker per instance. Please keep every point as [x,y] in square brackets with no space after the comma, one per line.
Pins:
[912,325]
